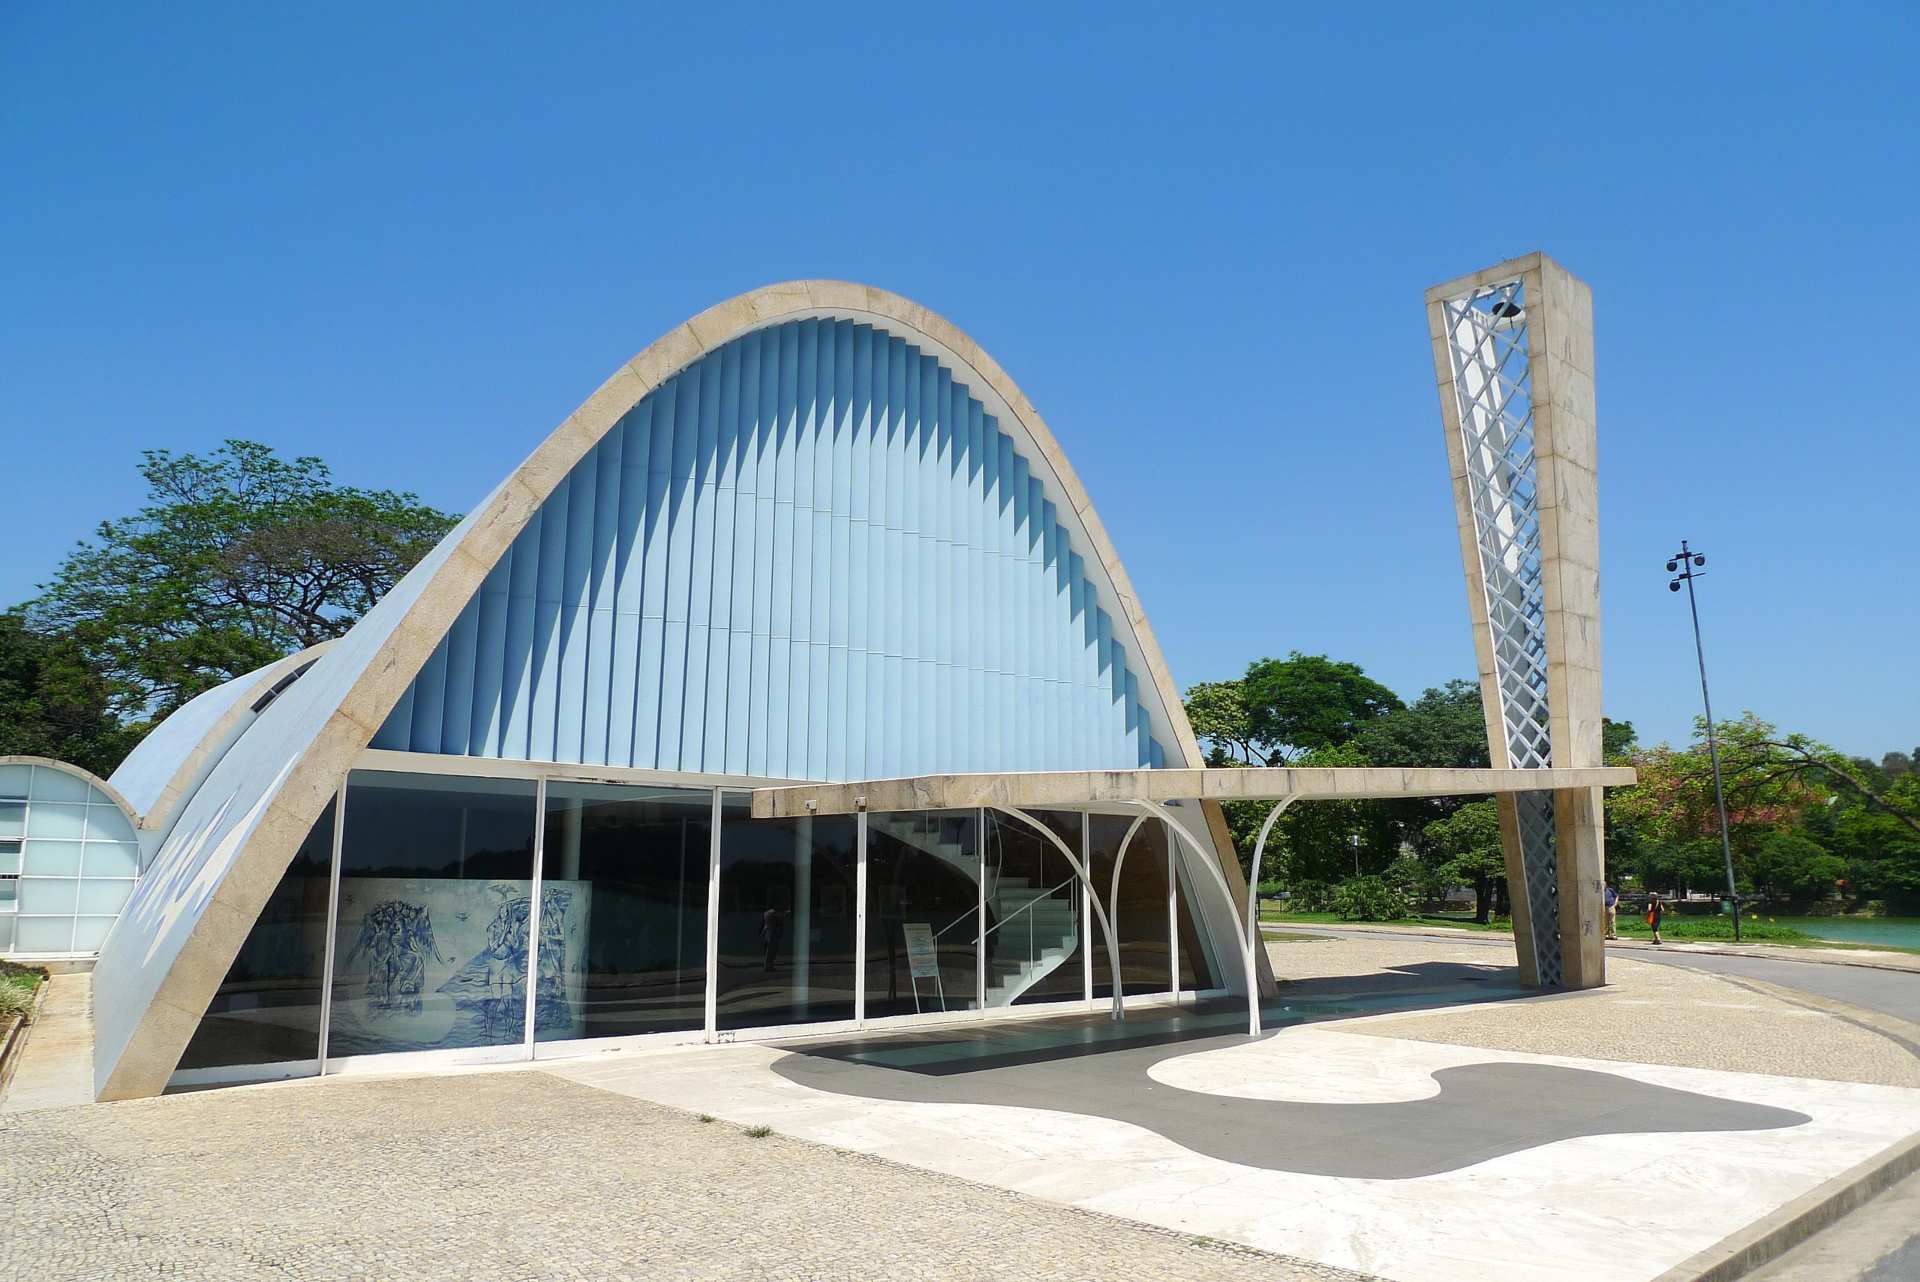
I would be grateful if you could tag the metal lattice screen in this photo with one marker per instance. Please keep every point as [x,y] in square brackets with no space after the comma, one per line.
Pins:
[1493,386]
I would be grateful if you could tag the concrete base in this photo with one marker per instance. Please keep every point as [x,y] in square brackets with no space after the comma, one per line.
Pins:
[56,1062]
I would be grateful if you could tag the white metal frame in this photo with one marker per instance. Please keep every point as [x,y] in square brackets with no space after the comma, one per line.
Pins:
[542,774]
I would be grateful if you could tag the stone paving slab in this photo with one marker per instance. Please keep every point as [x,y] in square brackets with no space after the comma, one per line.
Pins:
[1496,1213]
[522,1177]
[1648,1014]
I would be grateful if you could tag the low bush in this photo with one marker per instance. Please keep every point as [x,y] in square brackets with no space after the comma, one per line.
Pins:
[1370,899]
[1310,897]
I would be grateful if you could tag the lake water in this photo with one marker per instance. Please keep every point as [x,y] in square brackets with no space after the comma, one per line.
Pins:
[1903,932]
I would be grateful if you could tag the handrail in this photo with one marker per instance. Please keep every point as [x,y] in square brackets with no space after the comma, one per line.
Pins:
[1045,894]
[965,916]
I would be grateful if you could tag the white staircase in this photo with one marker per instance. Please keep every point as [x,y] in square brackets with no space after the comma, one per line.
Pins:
[1034,931]
[1034,937]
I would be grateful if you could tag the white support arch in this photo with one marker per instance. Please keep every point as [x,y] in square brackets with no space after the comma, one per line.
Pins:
[1200,850]
[1093,897]
[1253,879]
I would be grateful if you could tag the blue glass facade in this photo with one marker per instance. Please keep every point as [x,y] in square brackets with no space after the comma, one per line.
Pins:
[811,554]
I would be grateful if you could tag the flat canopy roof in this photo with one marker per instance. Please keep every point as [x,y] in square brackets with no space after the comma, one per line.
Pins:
[1082,787]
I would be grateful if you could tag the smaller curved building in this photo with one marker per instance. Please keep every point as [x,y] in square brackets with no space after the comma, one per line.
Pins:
[69,858]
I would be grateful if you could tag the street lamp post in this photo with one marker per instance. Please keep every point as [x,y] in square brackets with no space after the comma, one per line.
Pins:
[1685,566]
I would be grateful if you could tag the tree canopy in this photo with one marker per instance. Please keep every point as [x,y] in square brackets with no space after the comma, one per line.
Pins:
[53,703]
[1284,708]
[237,558]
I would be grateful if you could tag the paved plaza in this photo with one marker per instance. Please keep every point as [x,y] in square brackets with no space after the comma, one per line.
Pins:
[1395,1126]
[500,1177]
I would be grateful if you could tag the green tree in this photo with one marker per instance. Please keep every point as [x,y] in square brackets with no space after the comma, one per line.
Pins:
[1466,849]
[53,704]
[1308,703]
[1444,727]
[1218,713]
[1789,865]
[238,557]
[1617,739]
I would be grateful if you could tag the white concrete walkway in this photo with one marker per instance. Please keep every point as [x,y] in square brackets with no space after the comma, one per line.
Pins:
[1598,1208]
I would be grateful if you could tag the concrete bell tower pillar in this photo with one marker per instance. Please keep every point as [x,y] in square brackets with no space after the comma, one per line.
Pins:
[1513,353]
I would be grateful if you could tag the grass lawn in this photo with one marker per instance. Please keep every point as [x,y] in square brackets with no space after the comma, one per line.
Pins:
[1275,916]
[1674,927]
[17,986]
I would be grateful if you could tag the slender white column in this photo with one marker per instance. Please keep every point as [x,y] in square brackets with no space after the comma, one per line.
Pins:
[713,923]
[333,920]
[980,932]
[1086,918]
[1173,916]
[860,920]
[531,977]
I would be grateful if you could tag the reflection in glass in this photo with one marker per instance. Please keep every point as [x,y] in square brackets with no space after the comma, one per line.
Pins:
[1138,910]
[1197,971]
[1034,907]
[267,1009]
[923,881]
[436,878]
[624,873]
[787,918]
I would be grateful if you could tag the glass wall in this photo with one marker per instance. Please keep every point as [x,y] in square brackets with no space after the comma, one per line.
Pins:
[1138,912]
[923,905]
[787,918]
[1034,909]
[436,884]
[624,902]
[436,937]
[68,861]
[267,1009]
[1198,971]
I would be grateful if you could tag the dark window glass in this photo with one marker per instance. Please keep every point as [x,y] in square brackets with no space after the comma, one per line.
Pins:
[787,919]
[436,879]
[1034,905]
[623,931]
[1197,971]
[267,1009]
[1137,907]
[923,882]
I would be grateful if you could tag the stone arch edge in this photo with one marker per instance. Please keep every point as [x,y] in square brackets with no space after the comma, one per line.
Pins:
[162,1029]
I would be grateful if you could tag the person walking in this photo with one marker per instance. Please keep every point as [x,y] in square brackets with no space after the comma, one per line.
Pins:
[1655,911]
[1611,898]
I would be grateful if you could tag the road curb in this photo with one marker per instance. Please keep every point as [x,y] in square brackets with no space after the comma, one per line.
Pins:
[1773,1235]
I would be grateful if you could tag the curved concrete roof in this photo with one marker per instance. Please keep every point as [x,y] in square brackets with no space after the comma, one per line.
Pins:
[165,767]
[237,833]
[80,772]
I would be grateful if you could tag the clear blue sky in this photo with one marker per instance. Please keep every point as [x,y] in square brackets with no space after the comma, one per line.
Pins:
[411,238]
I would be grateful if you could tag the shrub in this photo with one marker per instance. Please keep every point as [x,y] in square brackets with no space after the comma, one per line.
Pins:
[1310,897]
[16,1001]
[1370,899]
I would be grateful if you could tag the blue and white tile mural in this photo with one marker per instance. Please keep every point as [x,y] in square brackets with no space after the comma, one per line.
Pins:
[438,964]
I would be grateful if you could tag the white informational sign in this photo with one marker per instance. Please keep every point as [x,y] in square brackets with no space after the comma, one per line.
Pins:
[922,961]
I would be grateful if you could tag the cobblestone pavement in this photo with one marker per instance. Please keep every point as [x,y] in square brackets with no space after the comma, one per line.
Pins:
[1648,1014]
[519,1176]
